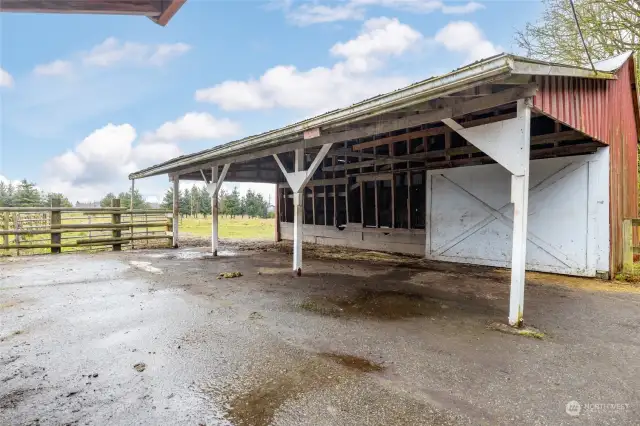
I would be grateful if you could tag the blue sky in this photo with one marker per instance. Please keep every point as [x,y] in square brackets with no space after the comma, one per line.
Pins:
[87,99]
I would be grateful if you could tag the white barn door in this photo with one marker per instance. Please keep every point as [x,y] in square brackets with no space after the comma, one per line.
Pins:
[470,216]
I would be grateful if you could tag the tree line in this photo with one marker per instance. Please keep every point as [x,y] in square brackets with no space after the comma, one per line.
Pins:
[26,194]
[197,201]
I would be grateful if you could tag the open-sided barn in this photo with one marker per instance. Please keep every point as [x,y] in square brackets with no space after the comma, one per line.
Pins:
[508,162]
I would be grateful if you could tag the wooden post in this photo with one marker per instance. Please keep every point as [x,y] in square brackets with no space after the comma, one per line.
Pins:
[214,211]
[313,203]
[116,219]
[133,183]
[16,226]
[277,214]
[5,226]
[56,221]
[176,210]
[169,228]
[627,246]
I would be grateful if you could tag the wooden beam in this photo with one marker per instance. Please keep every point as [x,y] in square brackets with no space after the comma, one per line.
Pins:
[374,177]
[568,135]
[442,130]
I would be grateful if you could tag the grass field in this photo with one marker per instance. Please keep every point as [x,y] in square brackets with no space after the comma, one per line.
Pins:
[238,228]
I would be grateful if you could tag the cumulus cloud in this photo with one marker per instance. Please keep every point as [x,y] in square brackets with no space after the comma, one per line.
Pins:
[323,88]
[6,80]
[470,7]
[57,67]
[112,52]
[466,38]
[194,126]
[308,14]
[101,162]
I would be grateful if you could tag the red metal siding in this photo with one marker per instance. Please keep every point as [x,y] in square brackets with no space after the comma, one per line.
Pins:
[607,111]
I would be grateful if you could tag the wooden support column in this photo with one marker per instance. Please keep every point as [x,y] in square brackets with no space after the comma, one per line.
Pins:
[393,190]
[297,181]
[56,221]
[313,203]
[133,186]
[176,209]
[375,194]
[298,211]
[277,237]
[214,212]
[213,188]
[116,219]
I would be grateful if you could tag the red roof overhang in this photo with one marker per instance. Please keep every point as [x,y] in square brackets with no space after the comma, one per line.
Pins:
[160,11]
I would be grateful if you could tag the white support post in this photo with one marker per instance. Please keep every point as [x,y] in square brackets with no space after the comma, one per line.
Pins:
[214,213]
[133,185]
[176,209]
[520,200]
[509,142]
[213,188]
[297,181]
[298,212]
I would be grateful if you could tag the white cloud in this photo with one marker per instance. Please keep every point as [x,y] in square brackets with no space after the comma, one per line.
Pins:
[102,161]
[194,126]
[380,38]
[470,7]
[323,88]
[308,14]
[57,67]
[112,52]
[6,80]
[165,52]
[466,38]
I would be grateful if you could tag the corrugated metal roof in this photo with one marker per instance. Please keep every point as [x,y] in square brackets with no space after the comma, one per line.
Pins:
[471,75]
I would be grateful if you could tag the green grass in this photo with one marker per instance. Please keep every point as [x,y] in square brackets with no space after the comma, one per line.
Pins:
[238,228]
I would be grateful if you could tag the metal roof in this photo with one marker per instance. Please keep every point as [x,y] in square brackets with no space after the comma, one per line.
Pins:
[159,11]
[483,71]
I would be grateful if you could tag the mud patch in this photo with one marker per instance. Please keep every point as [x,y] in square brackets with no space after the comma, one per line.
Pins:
[389,305]
[13,399]
[353,362]
[531,332]
[258,405]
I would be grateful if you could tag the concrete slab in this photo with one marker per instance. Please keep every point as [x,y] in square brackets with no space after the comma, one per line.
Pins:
[350,343]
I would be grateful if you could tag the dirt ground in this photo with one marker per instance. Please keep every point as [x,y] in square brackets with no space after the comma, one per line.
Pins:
[157,337]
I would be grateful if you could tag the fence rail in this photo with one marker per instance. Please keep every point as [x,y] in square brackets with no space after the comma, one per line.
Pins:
[24,230]
[630,234]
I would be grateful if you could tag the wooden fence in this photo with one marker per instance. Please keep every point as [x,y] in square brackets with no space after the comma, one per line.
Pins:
[36,230]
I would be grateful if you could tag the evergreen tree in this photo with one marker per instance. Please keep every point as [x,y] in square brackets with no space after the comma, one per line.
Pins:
[204,201]
[5,201]
[185,207]
[232,204]
[27,195]
[167,201]
[106,201]
[48,199]
[138,200]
